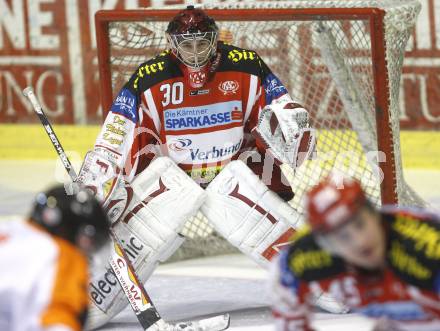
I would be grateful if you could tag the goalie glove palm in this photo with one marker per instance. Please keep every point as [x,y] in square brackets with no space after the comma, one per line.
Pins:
[283,131]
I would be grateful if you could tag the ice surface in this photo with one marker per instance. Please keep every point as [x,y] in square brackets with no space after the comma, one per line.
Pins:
[191,290]
[195,288]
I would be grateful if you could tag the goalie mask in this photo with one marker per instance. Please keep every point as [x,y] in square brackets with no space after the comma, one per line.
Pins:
[77,218]
[192,36]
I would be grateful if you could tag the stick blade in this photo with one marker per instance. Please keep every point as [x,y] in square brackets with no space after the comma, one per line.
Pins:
[216,323]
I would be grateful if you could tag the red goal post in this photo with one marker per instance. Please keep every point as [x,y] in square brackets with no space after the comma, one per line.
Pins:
[341,52]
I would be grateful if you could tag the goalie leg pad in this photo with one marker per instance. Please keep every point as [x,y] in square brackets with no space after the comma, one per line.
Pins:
[250,216]
[163,199]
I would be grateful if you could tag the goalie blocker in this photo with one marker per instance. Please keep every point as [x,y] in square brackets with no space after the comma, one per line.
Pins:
[147,215]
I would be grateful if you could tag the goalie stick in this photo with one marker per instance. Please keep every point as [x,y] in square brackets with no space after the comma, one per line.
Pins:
[137,296]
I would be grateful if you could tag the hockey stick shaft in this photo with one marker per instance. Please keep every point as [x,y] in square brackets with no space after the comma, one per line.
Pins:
[29,93]
[124,271]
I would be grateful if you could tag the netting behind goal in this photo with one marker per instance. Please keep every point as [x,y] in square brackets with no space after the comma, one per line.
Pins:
[341,59]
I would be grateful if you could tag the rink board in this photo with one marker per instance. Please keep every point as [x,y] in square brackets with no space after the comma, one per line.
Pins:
[420,149]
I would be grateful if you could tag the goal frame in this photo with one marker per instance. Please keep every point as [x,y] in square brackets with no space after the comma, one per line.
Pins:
[375,17]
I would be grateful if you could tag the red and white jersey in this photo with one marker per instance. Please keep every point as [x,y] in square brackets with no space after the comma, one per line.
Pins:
[157,112]
[43,281]
[407,291]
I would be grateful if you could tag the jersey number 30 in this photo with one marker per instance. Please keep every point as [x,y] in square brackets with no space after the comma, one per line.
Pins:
[172,93]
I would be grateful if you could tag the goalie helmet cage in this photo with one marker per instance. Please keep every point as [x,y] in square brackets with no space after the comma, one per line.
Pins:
[341,59]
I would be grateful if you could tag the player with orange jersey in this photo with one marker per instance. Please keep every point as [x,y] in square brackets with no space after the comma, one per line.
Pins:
[44,276]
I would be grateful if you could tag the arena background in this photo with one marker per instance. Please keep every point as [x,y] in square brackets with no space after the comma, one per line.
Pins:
[50,45]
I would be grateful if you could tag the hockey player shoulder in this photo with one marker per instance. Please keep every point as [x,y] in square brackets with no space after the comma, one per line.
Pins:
[153,71]
[309,262]
[414,247]
[240,59]
[419,229]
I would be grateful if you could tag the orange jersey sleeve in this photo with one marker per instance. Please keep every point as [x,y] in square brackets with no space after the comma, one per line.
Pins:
[44,282]
[69,297]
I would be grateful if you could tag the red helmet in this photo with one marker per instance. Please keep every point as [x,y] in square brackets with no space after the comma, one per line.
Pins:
[193,37]
[191,20]
[332,203]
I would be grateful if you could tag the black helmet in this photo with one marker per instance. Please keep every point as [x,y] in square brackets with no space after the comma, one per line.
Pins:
[78,218]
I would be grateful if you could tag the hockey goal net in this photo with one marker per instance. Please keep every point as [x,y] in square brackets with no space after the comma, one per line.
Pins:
[341,59]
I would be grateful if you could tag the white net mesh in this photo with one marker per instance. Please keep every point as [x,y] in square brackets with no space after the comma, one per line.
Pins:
[326,64]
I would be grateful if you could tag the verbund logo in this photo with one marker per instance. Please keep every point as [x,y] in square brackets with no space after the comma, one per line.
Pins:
[179,145]
[215,152]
